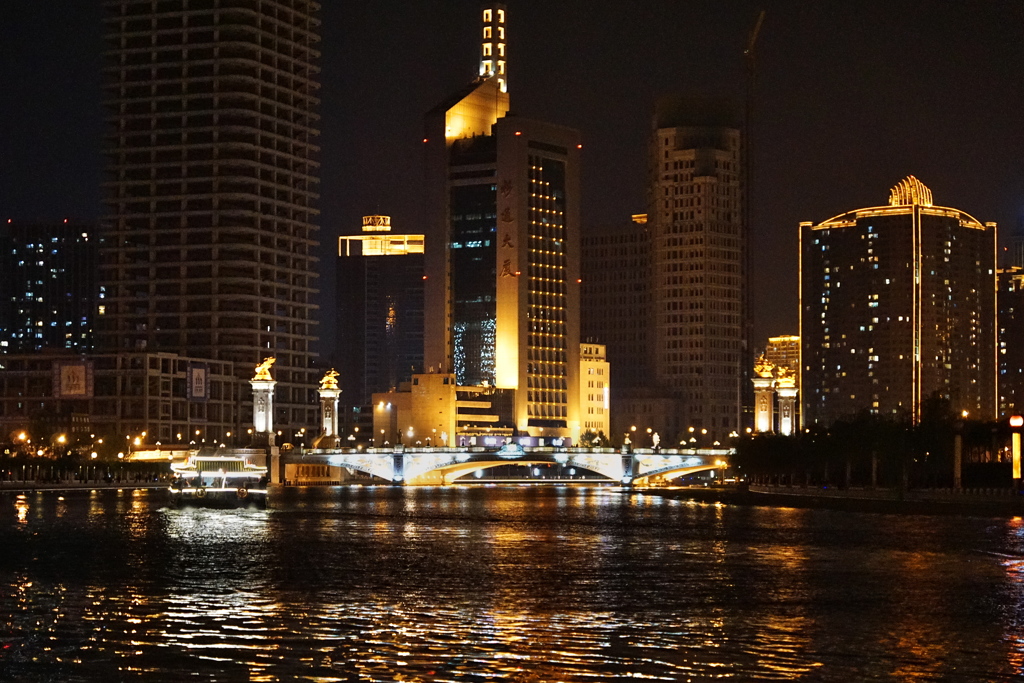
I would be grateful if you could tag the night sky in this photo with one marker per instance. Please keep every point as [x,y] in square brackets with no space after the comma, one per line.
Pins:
[851,97]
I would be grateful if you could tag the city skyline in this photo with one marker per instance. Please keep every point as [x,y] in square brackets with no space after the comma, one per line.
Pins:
[889,89]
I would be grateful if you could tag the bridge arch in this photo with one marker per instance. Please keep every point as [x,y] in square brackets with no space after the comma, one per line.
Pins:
[442,466]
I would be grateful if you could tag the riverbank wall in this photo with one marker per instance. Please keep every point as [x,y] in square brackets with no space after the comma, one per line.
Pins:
[968,502]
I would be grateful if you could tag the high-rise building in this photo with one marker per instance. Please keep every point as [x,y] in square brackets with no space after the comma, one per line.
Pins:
[210,237]
[380,310]
[698,284]
[47,286]
[595,389]
[615,300]
[502,247]
[897,305]
[784,352]
[1010,299]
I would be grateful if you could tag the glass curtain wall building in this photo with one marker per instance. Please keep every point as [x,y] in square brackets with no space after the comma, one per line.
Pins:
[502,248]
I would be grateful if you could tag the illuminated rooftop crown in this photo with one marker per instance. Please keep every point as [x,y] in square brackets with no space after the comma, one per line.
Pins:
[910,190]
[493,59]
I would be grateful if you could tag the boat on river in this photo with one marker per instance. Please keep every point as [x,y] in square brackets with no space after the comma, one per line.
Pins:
[209,478]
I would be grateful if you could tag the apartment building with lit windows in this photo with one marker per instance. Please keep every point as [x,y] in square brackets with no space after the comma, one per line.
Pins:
[897,305]
[210,235]
[47,286]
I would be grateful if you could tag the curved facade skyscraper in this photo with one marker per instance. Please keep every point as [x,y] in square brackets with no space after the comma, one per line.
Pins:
[897,305]
[210,234]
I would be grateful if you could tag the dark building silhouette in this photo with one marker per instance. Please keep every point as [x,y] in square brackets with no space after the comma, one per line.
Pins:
[210,237]
[47,286]
[380,310]
[615,300]
[897,304]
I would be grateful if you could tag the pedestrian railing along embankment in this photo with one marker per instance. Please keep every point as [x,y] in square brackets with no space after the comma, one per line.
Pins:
[937,494]
[23,486]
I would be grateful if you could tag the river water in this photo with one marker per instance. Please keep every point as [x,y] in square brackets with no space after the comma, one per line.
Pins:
[501,583]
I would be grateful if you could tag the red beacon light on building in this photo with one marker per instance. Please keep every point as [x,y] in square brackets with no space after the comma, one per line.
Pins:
[1016,421]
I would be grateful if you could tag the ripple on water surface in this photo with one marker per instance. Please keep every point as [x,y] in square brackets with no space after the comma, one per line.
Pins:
[381,584]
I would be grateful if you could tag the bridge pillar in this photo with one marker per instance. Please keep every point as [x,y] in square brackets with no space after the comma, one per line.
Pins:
[630,468]
[398,469]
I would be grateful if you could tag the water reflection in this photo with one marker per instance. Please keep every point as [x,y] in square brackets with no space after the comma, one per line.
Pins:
[468,584]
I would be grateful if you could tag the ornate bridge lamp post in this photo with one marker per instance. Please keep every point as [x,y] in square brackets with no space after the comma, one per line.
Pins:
[263,403]
[329,393]
[786,389]
[764,383]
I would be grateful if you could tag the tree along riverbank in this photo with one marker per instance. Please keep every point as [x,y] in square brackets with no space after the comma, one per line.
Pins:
[1000,502]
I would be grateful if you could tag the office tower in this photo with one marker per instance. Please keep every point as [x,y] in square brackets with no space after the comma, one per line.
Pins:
[502,247]
[1013,253]
[897,305]
[784,352]
[698,281]
[615,299]
[1010,299]
[210,237]
[47,286]
[595,389]
[380,310]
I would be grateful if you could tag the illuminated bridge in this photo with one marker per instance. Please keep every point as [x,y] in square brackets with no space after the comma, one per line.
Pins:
[442,466]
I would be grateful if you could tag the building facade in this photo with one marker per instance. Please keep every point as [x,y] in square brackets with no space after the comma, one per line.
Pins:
[47,286]
[698,253]
[116,398]
[615,301]
[1011,341]
[502,247]
[380,310]
[210,238]
[897,305]
[595,389]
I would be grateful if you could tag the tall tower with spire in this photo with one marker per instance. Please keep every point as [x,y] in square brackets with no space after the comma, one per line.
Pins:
[502,246]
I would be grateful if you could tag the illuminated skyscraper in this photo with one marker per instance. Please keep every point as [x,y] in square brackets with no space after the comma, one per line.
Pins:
[502,248]
[897,304]
[380,309]
[210,236]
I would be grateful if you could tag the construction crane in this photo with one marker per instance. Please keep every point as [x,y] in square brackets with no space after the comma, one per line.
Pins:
[745,147]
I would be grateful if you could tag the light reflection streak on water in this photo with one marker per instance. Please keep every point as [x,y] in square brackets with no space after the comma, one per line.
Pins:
[21,508]
[470,585]
[1013,565]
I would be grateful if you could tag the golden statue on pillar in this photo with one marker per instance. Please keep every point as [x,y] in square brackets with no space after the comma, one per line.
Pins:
[329,381]
[263,370]
[763,367]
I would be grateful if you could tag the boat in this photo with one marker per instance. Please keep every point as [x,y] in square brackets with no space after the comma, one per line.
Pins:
[220,479]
